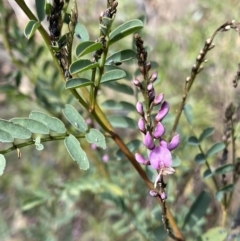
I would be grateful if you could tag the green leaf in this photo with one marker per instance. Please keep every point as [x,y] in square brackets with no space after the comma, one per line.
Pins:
[220,193]
[16,131]
[76,152]
[206,133]
[197,210]
[87,47]
[81,32]
[2,164]
[78,83]
[82,65]
[33,125]
[200,158]
[40,7]
[125,29]
[207,173]
[122,122]
[54,124]
[96,137]
[215,234]
[121,56]
[193,141]
[224,169]
[123,88]
[31,28]
[105,27]
[188,112]
[75,118]
[32,204]
[132,146]
[113,75]
[217,147]
[5,137]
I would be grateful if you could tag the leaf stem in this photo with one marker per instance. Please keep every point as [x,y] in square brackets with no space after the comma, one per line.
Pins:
[32,142]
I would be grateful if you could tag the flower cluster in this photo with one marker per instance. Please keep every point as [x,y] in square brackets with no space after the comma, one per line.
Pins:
[160,157]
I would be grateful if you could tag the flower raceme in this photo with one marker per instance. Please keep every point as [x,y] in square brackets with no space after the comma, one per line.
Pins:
[160,157]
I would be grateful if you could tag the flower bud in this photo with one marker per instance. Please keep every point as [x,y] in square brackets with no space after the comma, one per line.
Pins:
[150,87]
[148,66]
[139,107]
[139,158]
[158,99]
[148,141]
[162,112]
[174,142]
[105,158]
[93,146]
[153,193]
[137,83]
[159,130]
[141,125]
[163,195]
[153,77]
[151,95]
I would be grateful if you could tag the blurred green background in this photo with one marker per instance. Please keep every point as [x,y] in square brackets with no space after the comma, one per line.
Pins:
[45,196]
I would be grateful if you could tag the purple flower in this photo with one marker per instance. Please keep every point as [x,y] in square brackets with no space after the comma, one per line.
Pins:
[160,158]
[148,141]
[162,112]
[159,130]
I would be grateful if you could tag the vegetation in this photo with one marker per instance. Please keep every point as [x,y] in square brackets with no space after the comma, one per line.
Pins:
[119,123]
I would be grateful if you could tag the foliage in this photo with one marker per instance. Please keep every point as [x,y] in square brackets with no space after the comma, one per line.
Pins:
[86,78]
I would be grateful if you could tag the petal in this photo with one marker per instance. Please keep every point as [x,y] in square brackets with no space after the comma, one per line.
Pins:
[159,130]
[163,143]
[160,157]
[163,111]
[174,142]
[141,159]
[148,141]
